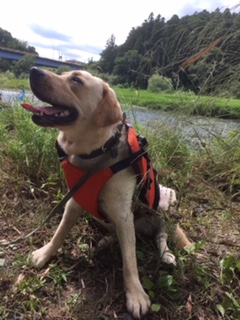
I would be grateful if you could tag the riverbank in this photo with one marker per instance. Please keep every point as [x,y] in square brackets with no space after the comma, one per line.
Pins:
[184,102]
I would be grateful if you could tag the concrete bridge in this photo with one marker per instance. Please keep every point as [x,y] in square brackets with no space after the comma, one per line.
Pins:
[10,54]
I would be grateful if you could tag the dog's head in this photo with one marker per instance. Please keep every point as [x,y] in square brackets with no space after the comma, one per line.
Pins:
[72,97]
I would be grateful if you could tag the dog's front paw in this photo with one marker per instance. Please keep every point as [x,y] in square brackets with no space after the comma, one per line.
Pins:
[41,256]
[138,303]
[169,258]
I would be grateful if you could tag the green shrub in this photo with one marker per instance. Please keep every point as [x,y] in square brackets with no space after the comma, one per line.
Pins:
[158,83]
[62,69]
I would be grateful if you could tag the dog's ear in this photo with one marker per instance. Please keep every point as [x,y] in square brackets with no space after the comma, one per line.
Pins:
[108,111]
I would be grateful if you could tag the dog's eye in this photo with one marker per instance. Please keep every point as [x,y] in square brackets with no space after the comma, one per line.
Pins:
[75,79]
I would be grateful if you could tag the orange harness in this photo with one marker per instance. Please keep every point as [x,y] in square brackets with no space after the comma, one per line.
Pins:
[87,195]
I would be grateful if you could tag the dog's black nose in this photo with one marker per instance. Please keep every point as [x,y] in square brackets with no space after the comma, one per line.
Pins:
[36,72]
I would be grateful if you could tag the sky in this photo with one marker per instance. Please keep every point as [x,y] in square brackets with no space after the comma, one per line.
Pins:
[79,30]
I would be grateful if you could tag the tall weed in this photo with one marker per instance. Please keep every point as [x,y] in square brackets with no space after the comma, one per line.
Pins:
[8,80]
[29,150]
[170,154]
[219,162]
[30,153]
[214,160]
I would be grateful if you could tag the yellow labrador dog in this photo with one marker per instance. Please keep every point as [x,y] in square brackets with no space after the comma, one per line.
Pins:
[93,134]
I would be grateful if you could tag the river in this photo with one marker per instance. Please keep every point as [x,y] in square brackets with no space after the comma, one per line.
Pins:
[190,128]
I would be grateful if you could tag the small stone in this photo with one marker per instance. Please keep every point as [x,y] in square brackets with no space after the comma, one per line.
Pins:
[2,262]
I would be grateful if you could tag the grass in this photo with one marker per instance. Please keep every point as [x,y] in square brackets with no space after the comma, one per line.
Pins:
[85,282]
[184,102]
[31,154]
[9,81]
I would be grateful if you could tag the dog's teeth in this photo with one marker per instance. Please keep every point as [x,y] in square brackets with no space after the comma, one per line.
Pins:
[63,114]
[66,113]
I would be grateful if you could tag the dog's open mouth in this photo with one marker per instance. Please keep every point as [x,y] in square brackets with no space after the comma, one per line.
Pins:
[51,116]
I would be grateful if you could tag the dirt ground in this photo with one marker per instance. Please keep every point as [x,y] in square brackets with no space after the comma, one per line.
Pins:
[84,282]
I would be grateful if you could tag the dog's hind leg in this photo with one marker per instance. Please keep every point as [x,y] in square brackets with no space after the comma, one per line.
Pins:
[41,256]
[168,203]
[110,239]
[161,242]
[152,226]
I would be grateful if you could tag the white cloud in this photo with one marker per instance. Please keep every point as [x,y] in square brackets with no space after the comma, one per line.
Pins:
[81,29]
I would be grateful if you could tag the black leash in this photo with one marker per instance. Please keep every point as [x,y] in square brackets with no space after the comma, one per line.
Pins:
[109,149]
[78,185]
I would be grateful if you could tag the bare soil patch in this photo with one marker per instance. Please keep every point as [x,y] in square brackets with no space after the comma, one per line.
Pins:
[84,282]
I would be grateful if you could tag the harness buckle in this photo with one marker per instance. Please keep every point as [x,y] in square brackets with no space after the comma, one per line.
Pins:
[104,149]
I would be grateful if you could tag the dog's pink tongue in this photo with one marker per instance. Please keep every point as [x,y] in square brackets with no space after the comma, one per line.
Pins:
[45,110]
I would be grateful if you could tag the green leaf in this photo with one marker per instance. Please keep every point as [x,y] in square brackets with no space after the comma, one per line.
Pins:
[165,281]
[147,283]
[238,265]
[234,301]
[151,294]
[64,277]
[220,309]
[84,246]
[155,307]
[140,255]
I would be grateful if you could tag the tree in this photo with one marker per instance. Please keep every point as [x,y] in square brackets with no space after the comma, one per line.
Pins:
[4,65]
[7,41]
[126,67]
[22,67]
[5,38]
[108,55]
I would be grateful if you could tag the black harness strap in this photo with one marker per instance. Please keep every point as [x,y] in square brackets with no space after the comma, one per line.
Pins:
[109,150]
[123,164]
[109,144]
